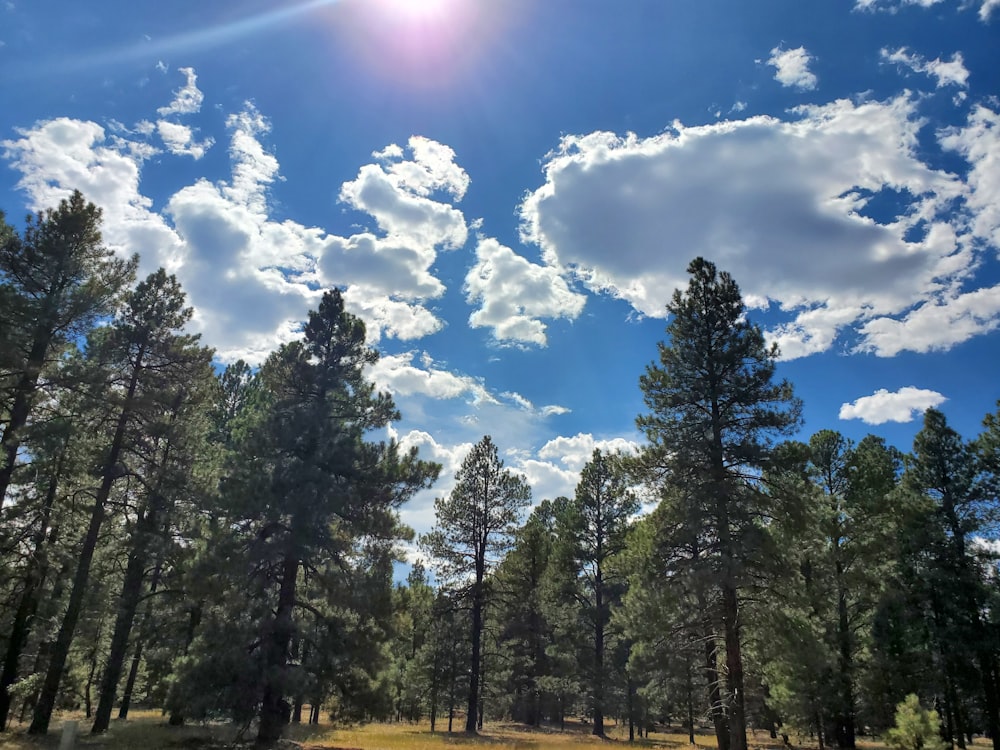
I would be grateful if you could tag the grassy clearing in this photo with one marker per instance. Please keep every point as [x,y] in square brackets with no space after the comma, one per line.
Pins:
[147,730]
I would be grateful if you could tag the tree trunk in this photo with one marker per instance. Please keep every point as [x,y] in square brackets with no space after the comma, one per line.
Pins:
[21,408]
[273,715]
[690,703]
[734,668]
[987,668]
[128,605]
[27,606]
[598,728]
[630,695]
[845,730]
[133,671]
[194,619]
[482,695]
[472,714]
[713,681]
[60,649]
[133,674]
[92,672]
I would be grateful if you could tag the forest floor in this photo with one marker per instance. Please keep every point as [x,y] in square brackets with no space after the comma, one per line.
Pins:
[148,730]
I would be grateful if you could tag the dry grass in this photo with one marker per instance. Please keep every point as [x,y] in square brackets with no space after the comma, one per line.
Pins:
[147,730]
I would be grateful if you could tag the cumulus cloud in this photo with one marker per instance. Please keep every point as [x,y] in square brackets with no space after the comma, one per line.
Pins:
[979,143]
[513,294]
[885,406]
[397,193]
[573,452]
[57,156]
[792,68]
[831,217]
[418,513]
[398,374]
[180,141]
[252,278]
[187,99]
[946,73]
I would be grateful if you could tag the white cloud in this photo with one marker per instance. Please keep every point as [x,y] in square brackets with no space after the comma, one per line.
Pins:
[792,68]
[783,206]
[945,73]
[187,99]
[399,375]
[935,326]
[979,143]
[892,5]
[250,278]
[986,7]
[180,141]
[59,155]
[419,510]
[900,406]
[552,471]
[397,193]
[574,452]
[513,293]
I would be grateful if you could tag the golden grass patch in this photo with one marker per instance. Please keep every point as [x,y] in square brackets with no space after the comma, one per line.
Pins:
[147,730]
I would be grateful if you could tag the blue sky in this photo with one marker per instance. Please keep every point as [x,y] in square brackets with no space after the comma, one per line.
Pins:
[509,191]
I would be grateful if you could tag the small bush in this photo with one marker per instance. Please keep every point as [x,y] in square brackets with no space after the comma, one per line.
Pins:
[917,728]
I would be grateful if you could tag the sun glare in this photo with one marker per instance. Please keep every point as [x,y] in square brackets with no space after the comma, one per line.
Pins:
[415,10]
[421,43]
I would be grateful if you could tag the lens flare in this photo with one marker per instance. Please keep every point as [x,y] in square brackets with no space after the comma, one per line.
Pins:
[420,43]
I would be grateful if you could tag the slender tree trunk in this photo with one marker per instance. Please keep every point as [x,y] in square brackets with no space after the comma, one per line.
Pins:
[434,687]
[452,675]
[598,728]
[133,671]
[133,674]
[689,685]
[482,695]
[128,605]
[987,668]
[713,681]
[194,620]
[28,604]
[272,714]
[92,672]
[734,668]
[27,384]
[630,696]
[846,735]
[60,649]
[472,714]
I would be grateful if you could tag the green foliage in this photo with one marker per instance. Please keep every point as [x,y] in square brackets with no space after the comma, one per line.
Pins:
[917,728]
[714,415]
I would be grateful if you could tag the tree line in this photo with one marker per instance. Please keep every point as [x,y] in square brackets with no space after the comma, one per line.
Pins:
[221,543]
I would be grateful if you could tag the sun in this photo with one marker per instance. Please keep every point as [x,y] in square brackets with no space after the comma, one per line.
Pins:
[416,11]
[419,43]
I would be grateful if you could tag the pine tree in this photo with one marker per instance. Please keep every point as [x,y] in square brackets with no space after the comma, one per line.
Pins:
[56,281]
[142,343]
[474,525]
[714,412]
[596,523]
[312,497]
